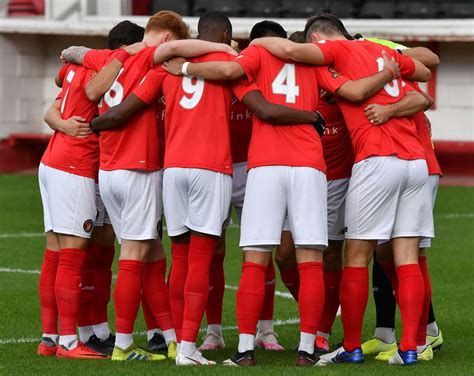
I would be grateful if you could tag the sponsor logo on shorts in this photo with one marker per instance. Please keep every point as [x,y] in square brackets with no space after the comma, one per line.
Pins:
[88,225]
[344,230]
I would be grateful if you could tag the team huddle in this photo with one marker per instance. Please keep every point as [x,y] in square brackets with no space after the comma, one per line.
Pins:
[319,142]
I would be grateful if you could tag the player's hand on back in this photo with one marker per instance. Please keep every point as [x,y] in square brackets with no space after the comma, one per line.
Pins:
[390,64]
[135,48]
[174,66]
[377,114]
[75,126]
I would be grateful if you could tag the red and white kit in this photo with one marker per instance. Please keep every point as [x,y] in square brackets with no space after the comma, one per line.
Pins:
[285,163]
[339,157]
[129,177]
[68,169]
[387,194]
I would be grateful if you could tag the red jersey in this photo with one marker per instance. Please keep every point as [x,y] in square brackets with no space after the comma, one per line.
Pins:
[337,145]
[424,134]
[134,146]
[79,156]
[240,131]
[197,117]
[293,85]
[360,58]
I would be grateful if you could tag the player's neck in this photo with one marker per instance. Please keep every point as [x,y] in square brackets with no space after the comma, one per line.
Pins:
[210,38]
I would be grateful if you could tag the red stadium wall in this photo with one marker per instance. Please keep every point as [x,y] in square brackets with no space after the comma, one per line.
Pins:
[22,152]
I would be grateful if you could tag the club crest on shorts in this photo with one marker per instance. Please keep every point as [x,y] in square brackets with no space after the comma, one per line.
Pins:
[88,225]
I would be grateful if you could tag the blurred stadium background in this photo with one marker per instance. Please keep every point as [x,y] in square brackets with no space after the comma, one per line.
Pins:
[33,32]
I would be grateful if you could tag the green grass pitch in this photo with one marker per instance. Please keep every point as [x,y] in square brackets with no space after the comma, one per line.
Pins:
[21,249]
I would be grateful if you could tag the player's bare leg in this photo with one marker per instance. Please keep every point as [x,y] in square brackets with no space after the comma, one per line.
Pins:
[214,340]
[49,309]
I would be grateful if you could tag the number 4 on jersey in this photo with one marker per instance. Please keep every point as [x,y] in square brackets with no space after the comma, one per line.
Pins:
[285,83]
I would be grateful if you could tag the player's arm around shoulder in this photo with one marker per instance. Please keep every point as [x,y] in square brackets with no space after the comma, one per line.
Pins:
[188,48]
[74,54]
[285,49]
[105,78]
[211,70]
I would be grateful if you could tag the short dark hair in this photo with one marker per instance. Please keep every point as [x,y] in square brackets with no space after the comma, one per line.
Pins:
[297,37]
[325,23]
[214,22]
[124,33]
[267,29]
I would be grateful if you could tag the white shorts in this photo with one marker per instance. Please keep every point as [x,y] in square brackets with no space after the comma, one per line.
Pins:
[239,181]
[102,216]
[433,182]
[68,202]
[133,202]
[388,198]
[275,192]
[196,199]
[337,191]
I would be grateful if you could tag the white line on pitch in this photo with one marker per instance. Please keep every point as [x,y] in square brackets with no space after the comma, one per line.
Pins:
[232,226]
[24,271]
[281,294]
[14,341]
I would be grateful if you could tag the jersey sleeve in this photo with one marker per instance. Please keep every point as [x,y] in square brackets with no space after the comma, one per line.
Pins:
[150,86]
[249,60]
[96,59]
[242,87]
[329,79]
[330,50]
[406,65]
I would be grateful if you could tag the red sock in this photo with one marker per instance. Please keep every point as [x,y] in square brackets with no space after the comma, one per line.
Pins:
[311,297]
[196,289]
[269,302]
[103,281]
[87,290]
[216,290]
[421,334]
[156,293]
[354,295]
[391,274]
[291,280]
[410,300]
[332,281]
[47,282]
[250,297]
[176,281]
[68,288]
[147,314]
[127,294]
